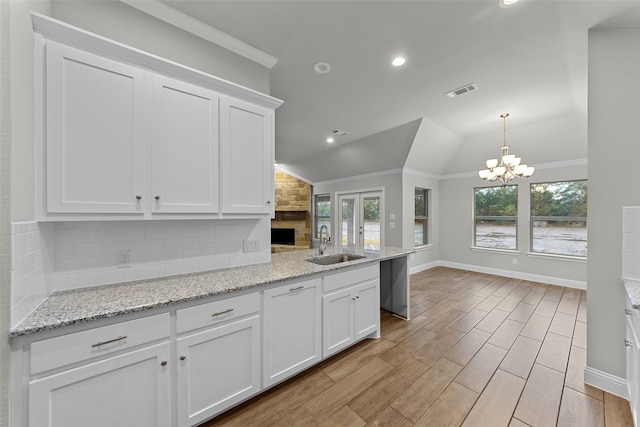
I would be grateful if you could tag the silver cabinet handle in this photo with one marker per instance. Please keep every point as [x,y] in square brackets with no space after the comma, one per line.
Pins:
[157,197]
[627,312]
[98,344]
[296,289]
[228,310]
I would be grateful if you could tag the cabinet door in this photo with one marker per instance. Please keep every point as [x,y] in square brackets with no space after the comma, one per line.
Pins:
[94,141]
[129,389]
[367,309]
[291,330]
[217,368]
[246,147]
[184,161]
[337,321]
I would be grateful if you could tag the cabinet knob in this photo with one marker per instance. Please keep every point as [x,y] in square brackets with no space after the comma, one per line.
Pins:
[628,343]
[138,197]
[157,197]
[183,357]
[268,202]
[163,363]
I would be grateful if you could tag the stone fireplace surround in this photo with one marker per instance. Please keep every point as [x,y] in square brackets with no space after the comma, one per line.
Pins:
[293,206]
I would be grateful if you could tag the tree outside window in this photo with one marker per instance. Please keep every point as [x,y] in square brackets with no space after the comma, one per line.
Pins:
[421,217]
[559,218]
[322,213]
[496,217]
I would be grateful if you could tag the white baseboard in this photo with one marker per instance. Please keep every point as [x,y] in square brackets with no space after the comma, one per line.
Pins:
[607,382]
[577,284]
[423,267]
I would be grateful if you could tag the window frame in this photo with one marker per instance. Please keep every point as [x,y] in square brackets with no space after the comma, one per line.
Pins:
[534,218]
[325,197]
[425,228]
[513,218]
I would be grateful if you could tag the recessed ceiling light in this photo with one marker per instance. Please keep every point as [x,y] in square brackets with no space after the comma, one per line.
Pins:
[398,61]
[321,67]
[506,3]
[330,140]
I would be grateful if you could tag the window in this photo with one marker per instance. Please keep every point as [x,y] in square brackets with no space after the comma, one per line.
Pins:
[559,218]
[421,218]
[322,214]
[496,217]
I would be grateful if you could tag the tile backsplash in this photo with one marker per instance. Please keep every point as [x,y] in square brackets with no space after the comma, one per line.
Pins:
[50,257]
[631,242]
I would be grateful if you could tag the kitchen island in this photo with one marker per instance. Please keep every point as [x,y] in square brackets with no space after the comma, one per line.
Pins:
[195,345]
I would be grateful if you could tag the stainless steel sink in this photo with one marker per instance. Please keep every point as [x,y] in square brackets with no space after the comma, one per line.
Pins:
[335,259]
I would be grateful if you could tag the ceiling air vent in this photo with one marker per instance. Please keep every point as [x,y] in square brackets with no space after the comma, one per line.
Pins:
[462,90]
[339,132]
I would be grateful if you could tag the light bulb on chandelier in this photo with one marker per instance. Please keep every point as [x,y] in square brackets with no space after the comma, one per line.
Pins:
[508,167]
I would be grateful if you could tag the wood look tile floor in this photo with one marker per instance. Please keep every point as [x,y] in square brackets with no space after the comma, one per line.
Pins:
[480,350]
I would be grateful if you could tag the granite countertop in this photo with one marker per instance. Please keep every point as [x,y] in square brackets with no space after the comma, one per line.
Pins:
[632,287]
[98,302]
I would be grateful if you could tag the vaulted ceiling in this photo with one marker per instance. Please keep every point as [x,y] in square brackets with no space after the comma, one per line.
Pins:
[529,59]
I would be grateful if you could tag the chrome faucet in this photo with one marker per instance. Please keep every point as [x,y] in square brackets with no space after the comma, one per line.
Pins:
[323,244]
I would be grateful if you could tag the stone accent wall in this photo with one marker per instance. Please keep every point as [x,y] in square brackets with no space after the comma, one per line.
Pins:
[293,194]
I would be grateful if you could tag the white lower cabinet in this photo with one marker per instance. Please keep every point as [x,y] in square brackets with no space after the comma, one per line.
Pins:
[633,360]
[350,308]
[292,338]
[190,364]
[219,366]
[130,388]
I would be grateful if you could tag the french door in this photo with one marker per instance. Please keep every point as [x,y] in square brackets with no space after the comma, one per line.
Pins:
[361,220]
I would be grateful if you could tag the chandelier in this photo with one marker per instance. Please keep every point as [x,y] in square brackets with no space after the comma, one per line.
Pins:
[508,167]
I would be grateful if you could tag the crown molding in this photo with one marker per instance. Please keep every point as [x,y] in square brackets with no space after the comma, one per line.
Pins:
[357,177]
[416,172]
[55,30]
[293,174]
[194,26]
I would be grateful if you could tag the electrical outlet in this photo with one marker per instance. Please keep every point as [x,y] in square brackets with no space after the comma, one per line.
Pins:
[123,258]
[514,260]
[252,245]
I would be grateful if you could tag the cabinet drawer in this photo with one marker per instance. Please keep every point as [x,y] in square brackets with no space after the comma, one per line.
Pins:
[218,311]
[351,277]
[79,346]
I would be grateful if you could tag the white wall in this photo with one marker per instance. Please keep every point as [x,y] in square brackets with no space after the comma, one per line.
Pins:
[456,229]
[614,150]
[425,256]
[5,205]
[391,183]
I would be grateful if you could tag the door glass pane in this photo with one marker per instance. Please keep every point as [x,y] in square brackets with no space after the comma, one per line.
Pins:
[371,206]
[349,235]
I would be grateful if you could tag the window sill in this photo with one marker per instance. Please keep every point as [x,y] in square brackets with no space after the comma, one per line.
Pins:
[497,251]
[424,247]
[579,259]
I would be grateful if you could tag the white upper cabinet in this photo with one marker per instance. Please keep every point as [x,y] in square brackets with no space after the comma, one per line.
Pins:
[122,134]
[95,111]
[185,147]
[247,152]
